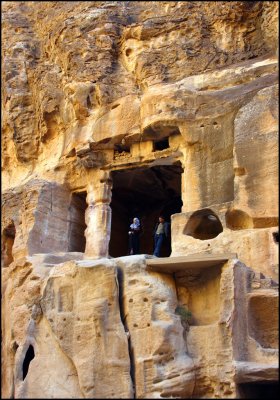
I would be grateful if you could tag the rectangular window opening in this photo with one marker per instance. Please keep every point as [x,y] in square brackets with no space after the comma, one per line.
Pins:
[119,148]
[161,144]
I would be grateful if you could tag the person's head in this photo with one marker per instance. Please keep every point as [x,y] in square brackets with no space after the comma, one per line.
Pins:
[161,219]
[136,221]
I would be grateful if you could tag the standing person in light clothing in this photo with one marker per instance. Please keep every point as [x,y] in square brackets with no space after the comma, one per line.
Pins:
[133,235]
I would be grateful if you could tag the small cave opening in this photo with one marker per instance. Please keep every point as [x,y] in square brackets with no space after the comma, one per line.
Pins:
[258,390]
[160,145]
[120,148]
[8,238]
[145,193]
[15,347]
[128,52]
[238,219]
[275,236]
[77,224]
[27,360]
[204,225]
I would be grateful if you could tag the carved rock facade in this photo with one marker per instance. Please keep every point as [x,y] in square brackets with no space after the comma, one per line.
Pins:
[119,109]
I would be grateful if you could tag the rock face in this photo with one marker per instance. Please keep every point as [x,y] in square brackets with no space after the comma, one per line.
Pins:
[162,366]
[113,110]
[112,329]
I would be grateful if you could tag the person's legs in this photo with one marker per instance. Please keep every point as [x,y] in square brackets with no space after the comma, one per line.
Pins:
[161,239]
[155,248]
[130,244]
[158,243]
[135,244]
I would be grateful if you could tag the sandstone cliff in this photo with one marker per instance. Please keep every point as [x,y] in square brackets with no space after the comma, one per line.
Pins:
[112,110]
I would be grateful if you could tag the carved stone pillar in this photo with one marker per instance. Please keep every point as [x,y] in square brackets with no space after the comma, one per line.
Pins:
[98,217]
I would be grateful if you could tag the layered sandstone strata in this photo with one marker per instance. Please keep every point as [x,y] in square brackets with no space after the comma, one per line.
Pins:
[117,109]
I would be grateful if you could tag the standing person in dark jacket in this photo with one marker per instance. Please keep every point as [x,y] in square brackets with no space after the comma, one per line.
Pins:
[161,233]
[134,231]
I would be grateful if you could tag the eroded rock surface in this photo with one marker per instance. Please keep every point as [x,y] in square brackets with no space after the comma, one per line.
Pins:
[161,364]
[76,333]
[110,328]
[113,110]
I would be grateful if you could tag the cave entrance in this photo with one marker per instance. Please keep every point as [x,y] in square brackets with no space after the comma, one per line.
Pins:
[77,225]
[259,390]
[8,238]
[146,193]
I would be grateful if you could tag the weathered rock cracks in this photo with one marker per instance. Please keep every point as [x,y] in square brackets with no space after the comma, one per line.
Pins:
[115,110]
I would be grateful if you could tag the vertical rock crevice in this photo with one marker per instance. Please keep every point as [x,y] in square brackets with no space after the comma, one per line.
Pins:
[30,354]
[119,282]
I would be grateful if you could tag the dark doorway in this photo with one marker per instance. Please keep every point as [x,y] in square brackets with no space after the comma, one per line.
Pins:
[77,225]
[145,193]
[259,390]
